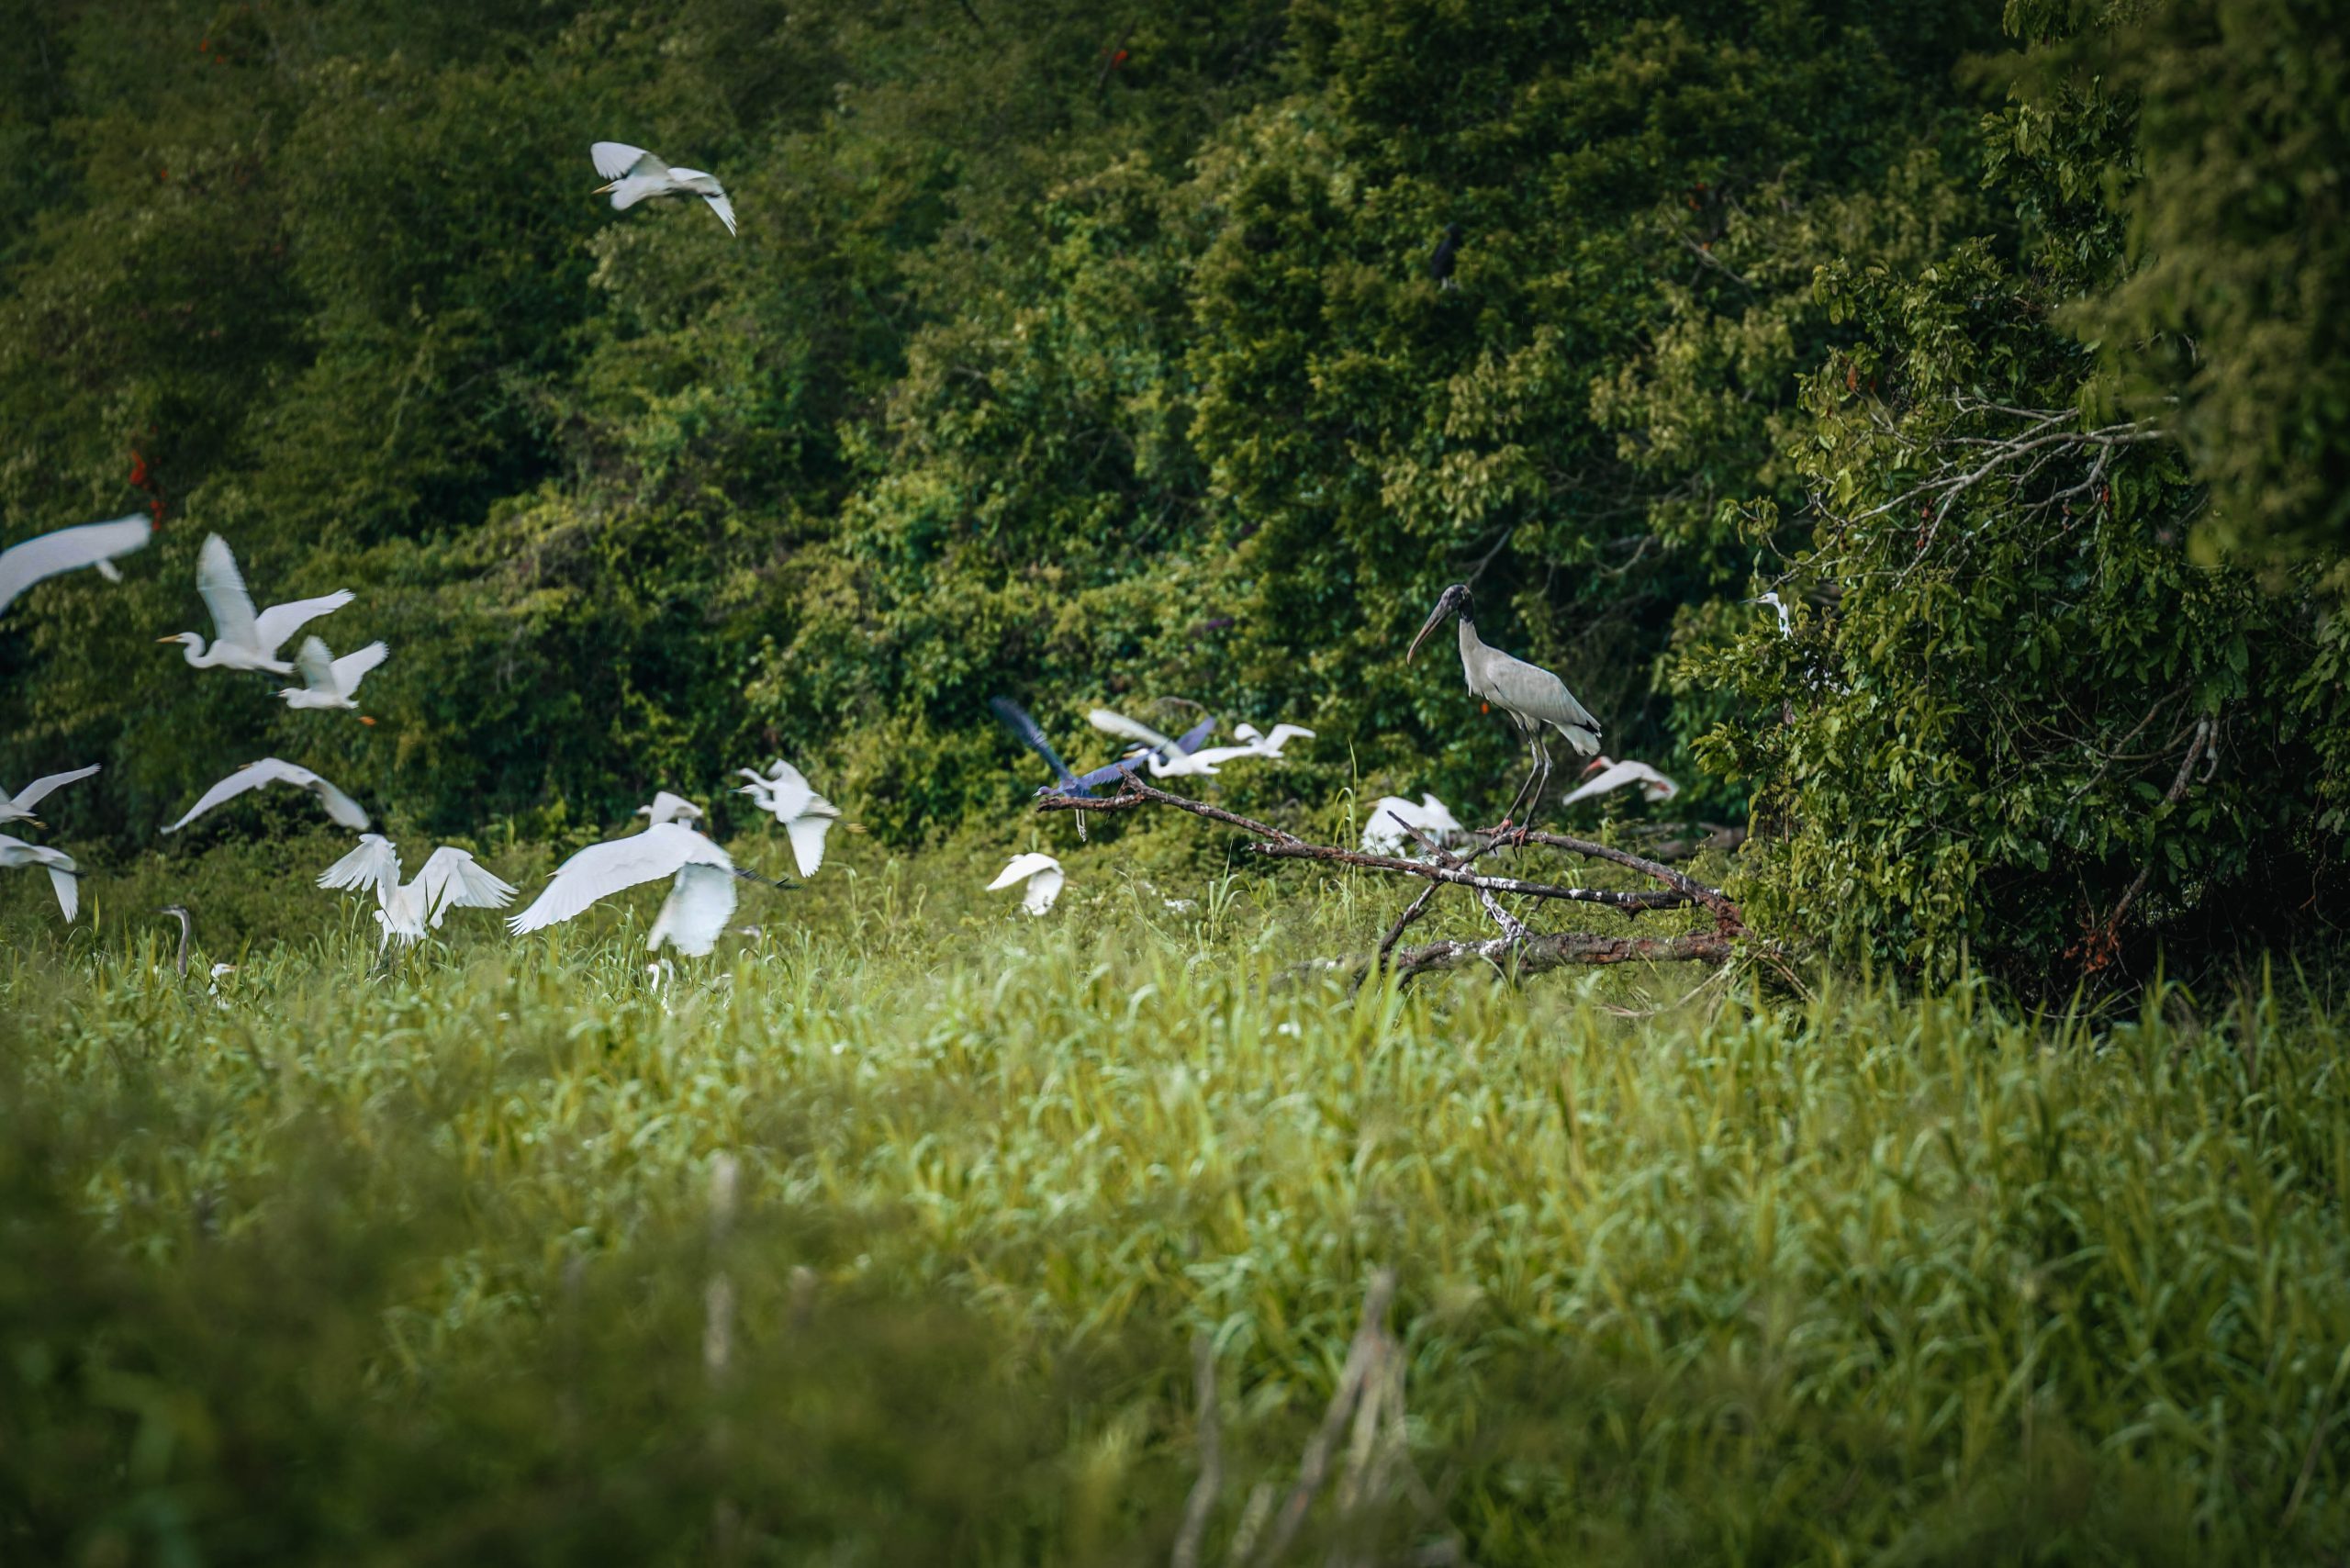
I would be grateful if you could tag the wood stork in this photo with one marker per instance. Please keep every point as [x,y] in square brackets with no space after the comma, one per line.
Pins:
[1529,696]
[1392,815]
[450,878]
[241,638]
[18,808]
[701,897]
[1653,785]
[328,681]
[1041,872]
[63,875]
[270,770]
[636,174]
[69,550]
[806,816]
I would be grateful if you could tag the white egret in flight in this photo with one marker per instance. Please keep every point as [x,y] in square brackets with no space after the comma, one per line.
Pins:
[635,174]
[1253,743]
[270,770]
[700,902]
[18,808]
[806,816]
[1391,815]
[242,639]
[1041,872]
[328,681]
[64,874]
[668,808]
[450,878]
[70,550]
[1166,758]
[1655,786]
[1531,697]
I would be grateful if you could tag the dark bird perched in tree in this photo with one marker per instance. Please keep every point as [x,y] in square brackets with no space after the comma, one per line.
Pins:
[1440,264]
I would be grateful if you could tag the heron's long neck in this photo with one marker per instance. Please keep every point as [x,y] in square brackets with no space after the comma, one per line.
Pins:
[187,928]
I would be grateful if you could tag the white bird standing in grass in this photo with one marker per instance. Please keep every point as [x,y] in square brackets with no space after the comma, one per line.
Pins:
[700,902]
[1653,785]
[450,878]
[1041,872]
[63,875]
[69,550]
[243,639]
[806,816]
[328,681]
[1391,817]
[1166,758]
[18,808]
[270,770]
[636,174]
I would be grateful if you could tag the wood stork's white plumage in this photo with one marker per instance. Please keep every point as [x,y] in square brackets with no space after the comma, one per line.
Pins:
[328,681]
[668,808]
[450,878]
[271,770]
[242,638]
[63,875]
[806,816]
[1610,774]
[636,174]
[69,550]
[1391,815]
[1041,872]
[18,807]
[1165,759]
[700,901]
[1532,699]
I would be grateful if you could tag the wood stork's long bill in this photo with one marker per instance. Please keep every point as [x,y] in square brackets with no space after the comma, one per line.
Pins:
[1455,601]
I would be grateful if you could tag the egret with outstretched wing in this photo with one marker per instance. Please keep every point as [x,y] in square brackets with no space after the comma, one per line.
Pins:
[271,770]
[242,637]
[328,681]
[450,878]
[806,816]
[69,550]
[1041,872]
[668,808]
[1613,775]
[18,807]
[700,902]
[63,875]
[636,174]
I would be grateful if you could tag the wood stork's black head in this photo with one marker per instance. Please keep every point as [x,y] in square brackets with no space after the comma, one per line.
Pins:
[1454,600]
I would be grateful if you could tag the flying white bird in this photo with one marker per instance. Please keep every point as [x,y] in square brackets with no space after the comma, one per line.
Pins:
[1391,815]
[450,878]
[18,808]
[69,550]
[806,816]
[700,902]
[328,681]
[242,639]
[635,174]
[270,770]
[668,808]
[62,873]
[1655,786]
[1042,875]
[1253,743]
[1166,758]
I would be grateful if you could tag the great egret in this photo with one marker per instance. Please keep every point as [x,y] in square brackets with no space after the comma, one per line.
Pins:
[450,878]
[1786,622]
[242,639]
[1166,758]
[806,816]
[1655,786]
[1385,833]
[635,174]
[1531,697]
[1253,744]
[668,808]
[270,770]
[69,550]
[64,874]
[18,808]
[1041,872]
[328,681]
[700,902]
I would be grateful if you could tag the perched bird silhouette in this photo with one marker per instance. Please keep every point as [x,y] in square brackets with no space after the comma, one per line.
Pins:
[1440,264]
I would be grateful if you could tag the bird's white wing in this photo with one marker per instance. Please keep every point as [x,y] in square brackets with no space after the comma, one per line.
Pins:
[1042,888]
[1383,833]
[454,879]
[223,588]
[1112,723]
[67,885]
[807,835]
[601,870]
[280,622]
[1436,816]
[353,667]
[1614,777]
[696,911]
[1284,733]
[1024,866]
[39,787]
[615,160]
[68,550]
[725,208]
[374,864]
[668,808]
[345,811]
[316,665]
[252,775]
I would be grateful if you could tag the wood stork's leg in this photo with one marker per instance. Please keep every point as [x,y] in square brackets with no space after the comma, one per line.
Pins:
[1534,756]
[1542,782]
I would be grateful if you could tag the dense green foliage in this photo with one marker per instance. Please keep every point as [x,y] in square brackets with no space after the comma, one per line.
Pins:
[417,1271]
[1094,359]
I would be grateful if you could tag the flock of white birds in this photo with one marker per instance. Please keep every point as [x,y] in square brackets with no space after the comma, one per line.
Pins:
[701,875]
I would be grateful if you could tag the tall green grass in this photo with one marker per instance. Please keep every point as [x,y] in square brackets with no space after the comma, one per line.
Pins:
[416,1268]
